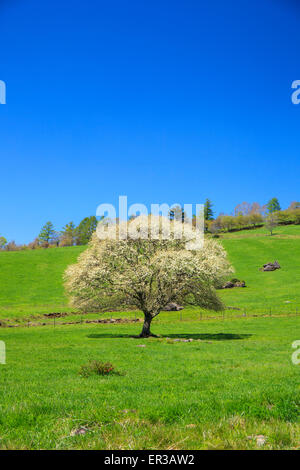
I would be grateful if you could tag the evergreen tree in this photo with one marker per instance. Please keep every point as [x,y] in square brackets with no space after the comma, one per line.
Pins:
[85,230]
[208,212]
[47,233]
[68,234]
[273,205]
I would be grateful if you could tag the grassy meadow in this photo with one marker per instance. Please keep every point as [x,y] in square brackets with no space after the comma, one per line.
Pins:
[278,290]
[232,387]
[234,382]
[31,281]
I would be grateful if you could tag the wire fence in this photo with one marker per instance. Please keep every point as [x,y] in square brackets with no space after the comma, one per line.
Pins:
[185,315]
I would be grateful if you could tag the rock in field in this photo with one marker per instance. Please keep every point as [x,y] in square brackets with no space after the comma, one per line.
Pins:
[228,285]
[234,283]
[172,307]
[271,266]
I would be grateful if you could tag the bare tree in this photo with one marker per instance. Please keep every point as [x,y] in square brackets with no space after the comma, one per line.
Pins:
[271,221]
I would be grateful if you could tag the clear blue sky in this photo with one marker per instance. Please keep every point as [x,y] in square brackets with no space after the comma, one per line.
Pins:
[163,101]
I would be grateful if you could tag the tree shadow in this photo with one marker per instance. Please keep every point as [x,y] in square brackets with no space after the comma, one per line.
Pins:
[209,336]
[109,335]
[202,336]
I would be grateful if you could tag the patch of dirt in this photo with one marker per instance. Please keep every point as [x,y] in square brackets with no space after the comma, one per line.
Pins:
[114,320]
[51,315]
[55,315]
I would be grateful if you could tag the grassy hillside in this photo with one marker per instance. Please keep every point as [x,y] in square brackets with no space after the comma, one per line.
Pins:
[278,290]
[31,281]
[233,382]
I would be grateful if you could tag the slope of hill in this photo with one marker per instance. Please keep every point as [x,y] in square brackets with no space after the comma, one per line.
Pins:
[277,290]
[31,281]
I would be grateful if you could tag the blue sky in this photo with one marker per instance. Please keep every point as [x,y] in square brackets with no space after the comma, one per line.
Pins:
[162,101]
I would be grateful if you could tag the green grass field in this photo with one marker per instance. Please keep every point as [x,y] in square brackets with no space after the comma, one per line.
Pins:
[278,290]
[31,281]
[233,382]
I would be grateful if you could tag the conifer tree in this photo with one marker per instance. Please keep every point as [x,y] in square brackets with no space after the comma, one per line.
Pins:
[47,233]
[208,212]
[273,205]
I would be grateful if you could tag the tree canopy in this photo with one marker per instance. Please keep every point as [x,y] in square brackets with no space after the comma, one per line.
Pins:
[47,233]
[85,230]
[208,212]
[273,205]
[3,242]
[68,234]
[147,273]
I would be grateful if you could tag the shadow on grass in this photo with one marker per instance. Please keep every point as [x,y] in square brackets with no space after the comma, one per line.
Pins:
[209,336]
[203,336]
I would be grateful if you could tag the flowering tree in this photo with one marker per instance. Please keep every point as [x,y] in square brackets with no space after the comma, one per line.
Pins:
[148,269]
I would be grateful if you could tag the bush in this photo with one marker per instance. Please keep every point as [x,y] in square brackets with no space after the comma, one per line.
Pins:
[296,216]
[12,246]
[66,241]
[34,245]
[97,368]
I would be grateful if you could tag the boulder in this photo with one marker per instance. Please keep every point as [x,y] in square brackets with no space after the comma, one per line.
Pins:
[173,307]
[234,283]
[271,266]
[228,285]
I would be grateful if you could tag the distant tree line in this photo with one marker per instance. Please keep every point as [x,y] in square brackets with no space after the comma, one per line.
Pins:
[70,235]
[245,216]
[249,216]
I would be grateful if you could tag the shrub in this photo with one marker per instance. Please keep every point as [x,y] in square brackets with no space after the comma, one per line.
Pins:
[295,214]
[65,241]
[34,245]
[97,368]
[12,246]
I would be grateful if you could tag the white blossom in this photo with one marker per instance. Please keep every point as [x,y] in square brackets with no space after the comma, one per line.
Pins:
[147,272]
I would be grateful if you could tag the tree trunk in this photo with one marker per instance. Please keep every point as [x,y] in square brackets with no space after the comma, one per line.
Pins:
[146,327]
